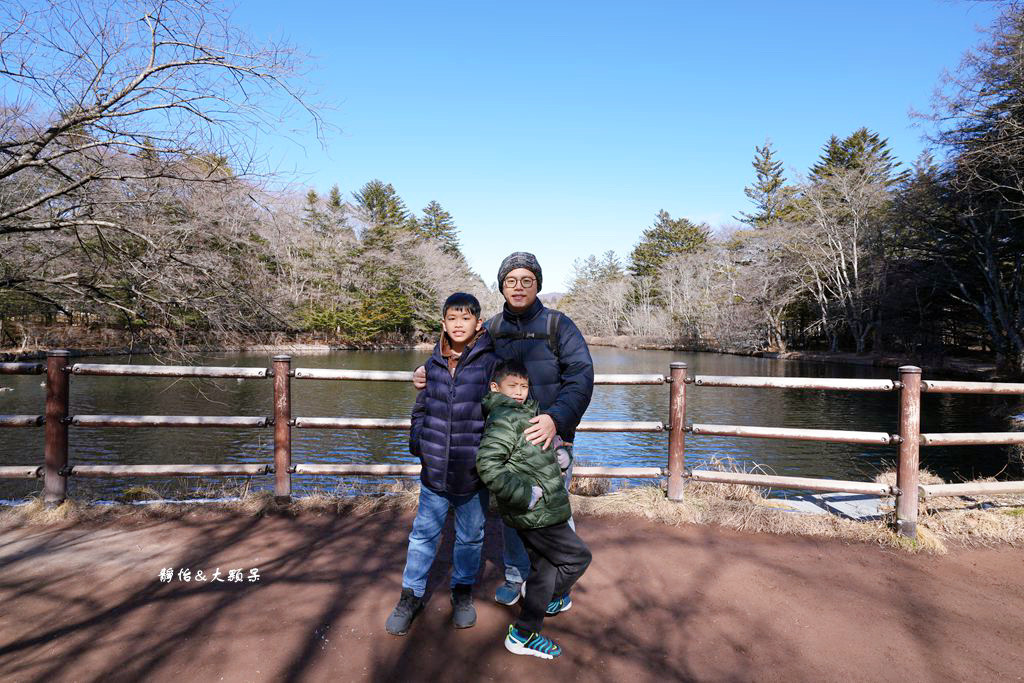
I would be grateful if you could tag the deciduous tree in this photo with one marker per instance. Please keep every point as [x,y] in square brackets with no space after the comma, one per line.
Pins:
[127,155]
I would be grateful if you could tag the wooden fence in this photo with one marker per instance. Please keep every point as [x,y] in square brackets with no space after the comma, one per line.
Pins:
[56,468]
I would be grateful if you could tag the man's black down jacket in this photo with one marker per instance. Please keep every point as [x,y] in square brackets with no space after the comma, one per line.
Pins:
[562,385]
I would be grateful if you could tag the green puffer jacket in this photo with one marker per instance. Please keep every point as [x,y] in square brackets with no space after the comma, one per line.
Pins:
[510,466]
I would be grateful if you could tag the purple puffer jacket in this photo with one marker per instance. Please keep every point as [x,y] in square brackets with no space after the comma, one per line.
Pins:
[448,419]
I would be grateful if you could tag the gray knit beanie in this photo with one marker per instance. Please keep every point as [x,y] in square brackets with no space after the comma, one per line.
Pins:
[519,259]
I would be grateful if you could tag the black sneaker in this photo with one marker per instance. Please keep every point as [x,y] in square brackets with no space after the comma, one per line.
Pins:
[405,611]
[463,612]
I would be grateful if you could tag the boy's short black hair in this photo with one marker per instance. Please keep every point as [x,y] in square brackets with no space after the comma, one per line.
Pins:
[509,368]
[460,301]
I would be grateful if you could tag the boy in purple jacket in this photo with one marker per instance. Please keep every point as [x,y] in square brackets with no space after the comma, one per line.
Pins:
[447,423]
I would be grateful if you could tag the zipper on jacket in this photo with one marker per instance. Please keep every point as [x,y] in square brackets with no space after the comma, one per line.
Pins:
[451,411]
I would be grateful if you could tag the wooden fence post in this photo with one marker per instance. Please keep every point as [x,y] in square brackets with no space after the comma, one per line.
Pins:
[55,430]
[676,433]
[282,429]
[910,446]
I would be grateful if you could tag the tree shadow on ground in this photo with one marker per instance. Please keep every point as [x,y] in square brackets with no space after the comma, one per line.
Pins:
[659,602]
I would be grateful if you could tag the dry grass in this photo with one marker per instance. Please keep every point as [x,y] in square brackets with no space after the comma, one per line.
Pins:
[969,521]
[589,486]
[925,476]
[977,520]
[73,512]
[398,495]
[746,511]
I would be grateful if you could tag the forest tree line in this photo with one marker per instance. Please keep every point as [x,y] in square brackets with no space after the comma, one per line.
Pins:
[861,253]
[131,196]
[131,199]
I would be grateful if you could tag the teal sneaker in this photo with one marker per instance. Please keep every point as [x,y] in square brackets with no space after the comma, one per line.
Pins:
[562,604]
[534,644]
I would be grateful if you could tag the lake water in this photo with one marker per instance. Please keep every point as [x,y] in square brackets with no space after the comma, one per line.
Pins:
[758,407]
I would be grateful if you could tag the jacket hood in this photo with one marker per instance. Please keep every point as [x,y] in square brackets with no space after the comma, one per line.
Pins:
[495,400]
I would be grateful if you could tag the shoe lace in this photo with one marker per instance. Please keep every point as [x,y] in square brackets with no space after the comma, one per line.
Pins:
[406,603]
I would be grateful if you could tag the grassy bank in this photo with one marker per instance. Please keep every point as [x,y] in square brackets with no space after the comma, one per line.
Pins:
[945,522]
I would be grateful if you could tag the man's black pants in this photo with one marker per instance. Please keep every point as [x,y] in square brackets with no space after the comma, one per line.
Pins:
[558,559]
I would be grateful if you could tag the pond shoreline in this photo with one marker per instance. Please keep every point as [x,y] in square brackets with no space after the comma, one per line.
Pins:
[972,368]
[947,365]
[9,356]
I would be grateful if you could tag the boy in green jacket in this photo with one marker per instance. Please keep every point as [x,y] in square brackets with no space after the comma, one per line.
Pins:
[527,485]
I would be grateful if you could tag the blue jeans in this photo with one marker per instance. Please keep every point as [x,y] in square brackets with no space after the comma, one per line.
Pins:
[470,516]
[517,561]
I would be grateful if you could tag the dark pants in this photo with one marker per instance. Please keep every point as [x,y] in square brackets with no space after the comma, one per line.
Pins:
[558,559]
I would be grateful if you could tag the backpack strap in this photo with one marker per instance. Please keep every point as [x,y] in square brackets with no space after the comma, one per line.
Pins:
[554,318]
[494,328]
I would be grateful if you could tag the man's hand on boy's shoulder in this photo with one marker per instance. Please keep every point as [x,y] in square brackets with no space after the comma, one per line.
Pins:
[419,378]
[541,431]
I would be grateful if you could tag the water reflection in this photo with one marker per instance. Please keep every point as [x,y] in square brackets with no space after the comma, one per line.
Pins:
[761,407]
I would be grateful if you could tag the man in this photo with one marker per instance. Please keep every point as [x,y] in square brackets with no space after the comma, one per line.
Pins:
[561,374]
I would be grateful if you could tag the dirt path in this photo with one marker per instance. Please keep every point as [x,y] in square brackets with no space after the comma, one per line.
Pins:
[659,603]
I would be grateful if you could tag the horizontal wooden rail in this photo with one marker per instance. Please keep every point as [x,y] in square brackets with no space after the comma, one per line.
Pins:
[359,470]
[109,370]
[21,420]
[21,472]
[406,376]
[167,421]
[620,426]
[954,387]
[21,368]
[618,472]
[352,423]
[414,470]
[972,439]
[808,483]
[795,383]
[166,470]
[406,423]
[983,488]
[629,379]
[836,435]
[372,375]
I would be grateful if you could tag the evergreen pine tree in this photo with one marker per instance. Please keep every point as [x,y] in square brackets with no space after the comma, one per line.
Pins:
[381,204]
[667,237]
[769,193]
[862,149]
[384,212]
[438,224]
[334,199]
[337,212]
[312,215]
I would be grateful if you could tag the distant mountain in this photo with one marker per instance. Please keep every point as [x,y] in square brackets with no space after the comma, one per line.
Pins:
[550,298]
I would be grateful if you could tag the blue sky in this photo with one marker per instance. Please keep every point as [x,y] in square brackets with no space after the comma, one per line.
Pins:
[562,128]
